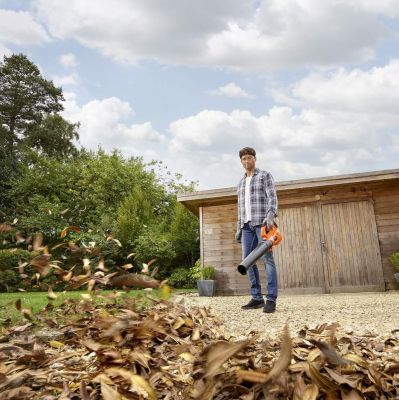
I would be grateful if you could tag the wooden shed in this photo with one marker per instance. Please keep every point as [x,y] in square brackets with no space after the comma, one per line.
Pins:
[338,233]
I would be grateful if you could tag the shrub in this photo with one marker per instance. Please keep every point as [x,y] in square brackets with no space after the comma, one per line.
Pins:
[394,258]
[207,272]
[182,278]
[154,245]
[9,258]
[9,280]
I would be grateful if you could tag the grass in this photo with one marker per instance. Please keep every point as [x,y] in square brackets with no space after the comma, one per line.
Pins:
[38,300]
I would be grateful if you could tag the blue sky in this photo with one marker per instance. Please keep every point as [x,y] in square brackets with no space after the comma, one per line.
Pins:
[313,86]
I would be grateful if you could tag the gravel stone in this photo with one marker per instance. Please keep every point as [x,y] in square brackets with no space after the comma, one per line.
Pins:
[367,313]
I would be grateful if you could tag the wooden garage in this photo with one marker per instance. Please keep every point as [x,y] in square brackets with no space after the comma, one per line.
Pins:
[338,233]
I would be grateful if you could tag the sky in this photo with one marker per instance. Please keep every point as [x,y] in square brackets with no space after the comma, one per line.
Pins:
[312,86]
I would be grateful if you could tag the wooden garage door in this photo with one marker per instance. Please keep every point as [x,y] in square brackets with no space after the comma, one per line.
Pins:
[299,256]
[351,254]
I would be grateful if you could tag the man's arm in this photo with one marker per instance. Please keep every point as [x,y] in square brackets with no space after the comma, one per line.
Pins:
[271,194]
[271,210]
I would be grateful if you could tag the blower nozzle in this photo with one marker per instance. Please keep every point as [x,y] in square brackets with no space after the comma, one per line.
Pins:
[270,238]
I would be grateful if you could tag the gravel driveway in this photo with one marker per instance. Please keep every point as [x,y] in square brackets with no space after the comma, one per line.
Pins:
[358,313]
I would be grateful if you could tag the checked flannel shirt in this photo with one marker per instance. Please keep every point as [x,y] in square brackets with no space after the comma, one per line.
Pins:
[263,197]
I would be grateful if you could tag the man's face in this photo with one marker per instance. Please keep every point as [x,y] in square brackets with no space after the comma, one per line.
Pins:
[248,161]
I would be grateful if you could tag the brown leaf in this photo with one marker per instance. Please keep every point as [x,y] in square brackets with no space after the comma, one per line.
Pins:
[299,388]
[37,242]
[352,395]
[40,263]
[319,379]
[343,379]
[137,382]
[18,304]
[251,376]
[50,294]
[329,353]
[356,359]
[83,391]
[108,392]
[5,227]
[216,354]
[134,280]
[311,392]
[19,237]
[285,356]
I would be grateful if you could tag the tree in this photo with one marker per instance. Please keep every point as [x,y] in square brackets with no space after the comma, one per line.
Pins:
[53,137]
[184,232]
[25,98]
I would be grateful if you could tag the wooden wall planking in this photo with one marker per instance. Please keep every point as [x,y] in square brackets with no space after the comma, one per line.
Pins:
[386,207]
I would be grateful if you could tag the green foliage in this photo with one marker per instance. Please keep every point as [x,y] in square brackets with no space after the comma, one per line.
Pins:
[9,258]
[91,187]
[9,280]
[154,244]
[207,272]
[394,258]
[133,215]
[25,98]
[53,136]
[48,185]
[184,231]
[182,278]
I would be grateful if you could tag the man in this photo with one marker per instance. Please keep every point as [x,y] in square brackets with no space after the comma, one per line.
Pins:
[257,207]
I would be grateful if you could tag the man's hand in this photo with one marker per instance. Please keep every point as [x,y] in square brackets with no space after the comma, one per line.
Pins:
[238,235]
[269,220]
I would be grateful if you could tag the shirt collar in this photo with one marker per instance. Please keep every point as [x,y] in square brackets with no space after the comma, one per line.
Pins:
[256,172]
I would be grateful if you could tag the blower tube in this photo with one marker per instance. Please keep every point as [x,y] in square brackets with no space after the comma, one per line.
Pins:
[254,256]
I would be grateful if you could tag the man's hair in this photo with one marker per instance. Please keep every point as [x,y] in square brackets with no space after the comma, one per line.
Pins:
[247,150]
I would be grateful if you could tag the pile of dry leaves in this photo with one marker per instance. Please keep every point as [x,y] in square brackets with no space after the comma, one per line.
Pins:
[147,348]
[122,348]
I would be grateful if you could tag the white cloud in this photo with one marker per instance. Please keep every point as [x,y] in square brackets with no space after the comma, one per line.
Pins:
[372,91]
[66,80]
[102,123]
[227,33]
[4,51]
[290,144]
[18,27]
[231,90]
[388,8]
[68,60]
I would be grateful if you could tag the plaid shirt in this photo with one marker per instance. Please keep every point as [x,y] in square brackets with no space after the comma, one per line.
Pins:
[263,197]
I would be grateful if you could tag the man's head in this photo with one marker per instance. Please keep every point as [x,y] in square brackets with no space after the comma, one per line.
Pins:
[248,158]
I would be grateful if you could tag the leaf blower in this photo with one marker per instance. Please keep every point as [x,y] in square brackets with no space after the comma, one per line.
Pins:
[270,238]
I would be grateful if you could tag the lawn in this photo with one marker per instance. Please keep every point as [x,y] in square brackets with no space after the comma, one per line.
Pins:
[38,300]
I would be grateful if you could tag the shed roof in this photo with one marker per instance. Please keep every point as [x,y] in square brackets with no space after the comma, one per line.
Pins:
[194,200]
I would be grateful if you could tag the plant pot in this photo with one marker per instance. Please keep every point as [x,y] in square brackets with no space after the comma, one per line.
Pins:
[396,276]
[206,287]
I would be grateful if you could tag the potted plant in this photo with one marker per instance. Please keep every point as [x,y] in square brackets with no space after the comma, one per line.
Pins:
[206,285]
[395,262]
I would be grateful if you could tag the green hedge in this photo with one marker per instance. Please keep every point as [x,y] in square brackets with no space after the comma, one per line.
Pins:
[9,277]
[9,258]
[185,277]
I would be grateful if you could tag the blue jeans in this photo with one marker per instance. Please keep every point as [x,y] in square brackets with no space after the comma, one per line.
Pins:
[250,238]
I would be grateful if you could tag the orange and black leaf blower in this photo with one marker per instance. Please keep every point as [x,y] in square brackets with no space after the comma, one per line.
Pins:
[270,238]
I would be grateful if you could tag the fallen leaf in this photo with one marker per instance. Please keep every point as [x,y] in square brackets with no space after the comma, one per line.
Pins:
[332,357]
[285,356]
[108,392]
[56,344]
[216,354]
